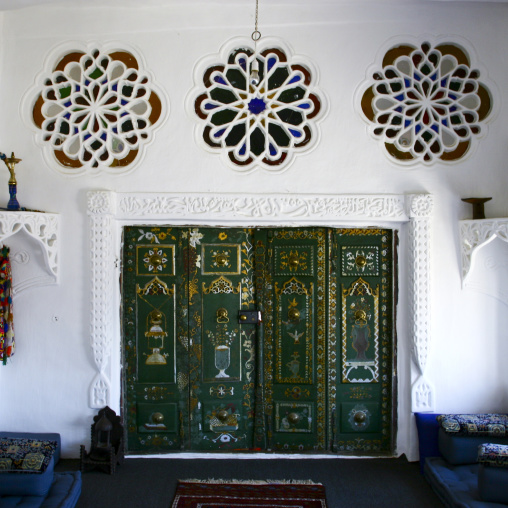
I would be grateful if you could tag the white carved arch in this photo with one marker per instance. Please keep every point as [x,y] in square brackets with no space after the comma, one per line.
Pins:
[109,211]
[33,240]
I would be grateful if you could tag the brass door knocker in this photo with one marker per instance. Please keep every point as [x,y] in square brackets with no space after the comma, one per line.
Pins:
[293,314]
[222,315]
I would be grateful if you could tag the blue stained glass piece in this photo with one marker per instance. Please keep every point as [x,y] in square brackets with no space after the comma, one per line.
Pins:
[67,115]
[87,82]
[416,77]
[306,105]
[219,79]
[445,122]
[400,97]
[257,106]
[242,150]
[399,109]
[452,97]
[76,130]
[124,102]
[103,136]
[295,79]
[407,123]
[296,134]
[435,128]
[243,63]
[115,87]
[209,105]
[453,109]
[218,134]
[418,128]
[115,130]
[123,114]
[78,88]
[87,136]
[444,82]
[272,150]
[407,82]
[67,104]
[434,77]
[271,63]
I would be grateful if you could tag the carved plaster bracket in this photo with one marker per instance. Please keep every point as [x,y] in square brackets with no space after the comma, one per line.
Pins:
[420,211]
[33,240]
[109,211]
[474,234]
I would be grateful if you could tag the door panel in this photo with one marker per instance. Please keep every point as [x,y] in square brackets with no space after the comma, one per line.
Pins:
[153,400]
[222,393]
[363,313]
[265,339]
[295,371]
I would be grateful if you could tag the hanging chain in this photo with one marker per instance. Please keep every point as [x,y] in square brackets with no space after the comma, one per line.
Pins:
[256,35]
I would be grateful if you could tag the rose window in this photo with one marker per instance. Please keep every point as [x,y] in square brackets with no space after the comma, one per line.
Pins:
[262,124]
[96,110]
[426,103]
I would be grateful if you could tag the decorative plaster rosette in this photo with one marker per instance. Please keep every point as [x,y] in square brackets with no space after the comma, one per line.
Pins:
[94,109]
[261,125]
[425,102]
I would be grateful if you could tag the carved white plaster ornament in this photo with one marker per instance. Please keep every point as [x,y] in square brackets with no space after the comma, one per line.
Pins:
[109,211]
[420,210]
[474,234]
[33,240]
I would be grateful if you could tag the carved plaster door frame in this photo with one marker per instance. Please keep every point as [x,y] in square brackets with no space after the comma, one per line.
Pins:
[109,211]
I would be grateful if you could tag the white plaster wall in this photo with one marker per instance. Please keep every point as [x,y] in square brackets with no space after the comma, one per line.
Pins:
[45,386]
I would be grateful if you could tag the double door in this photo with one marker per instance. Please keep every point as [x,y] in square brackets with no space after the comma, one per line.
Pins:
[258,339]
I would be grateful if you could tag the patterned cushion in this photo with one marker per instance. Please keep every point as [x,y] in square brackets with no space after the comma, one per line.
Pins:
[20,455]
[493,454]
[475,425]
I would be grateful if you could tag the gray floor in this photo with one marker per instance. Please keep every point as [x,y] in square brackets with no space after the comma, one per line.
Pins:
[358,483]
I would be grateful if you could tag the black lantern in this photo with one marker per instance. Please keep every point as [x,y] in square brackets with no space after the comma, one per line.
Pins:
[102,438]
[106,450]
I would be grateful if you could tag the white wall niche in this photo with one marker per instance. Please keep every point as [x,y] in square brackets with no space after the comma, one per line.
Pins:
[33,241]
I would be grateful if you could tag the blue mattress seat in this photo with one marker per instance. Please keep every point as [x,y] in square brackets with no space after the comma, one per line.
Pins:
[493,472]
[456,485]
[454,472]
[27,476]
[63,493]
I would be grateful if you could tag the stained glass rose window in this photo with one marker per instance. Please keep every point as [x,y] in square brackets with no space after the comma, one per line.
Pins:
[96,110]
[263,124]
[426,103]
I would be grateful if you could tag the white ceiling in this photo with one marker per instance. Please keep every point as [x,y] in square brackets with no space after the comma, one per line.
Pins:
[20,4]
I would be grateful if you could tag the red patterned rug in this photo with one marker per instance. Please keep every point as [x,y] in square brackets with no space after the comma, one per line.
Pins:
[255,493]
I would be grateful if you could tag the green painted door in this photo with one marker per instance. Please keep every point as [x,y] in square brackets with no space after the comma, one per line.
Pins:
[189,359]
[295,339]
[361,313]
[244,339]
